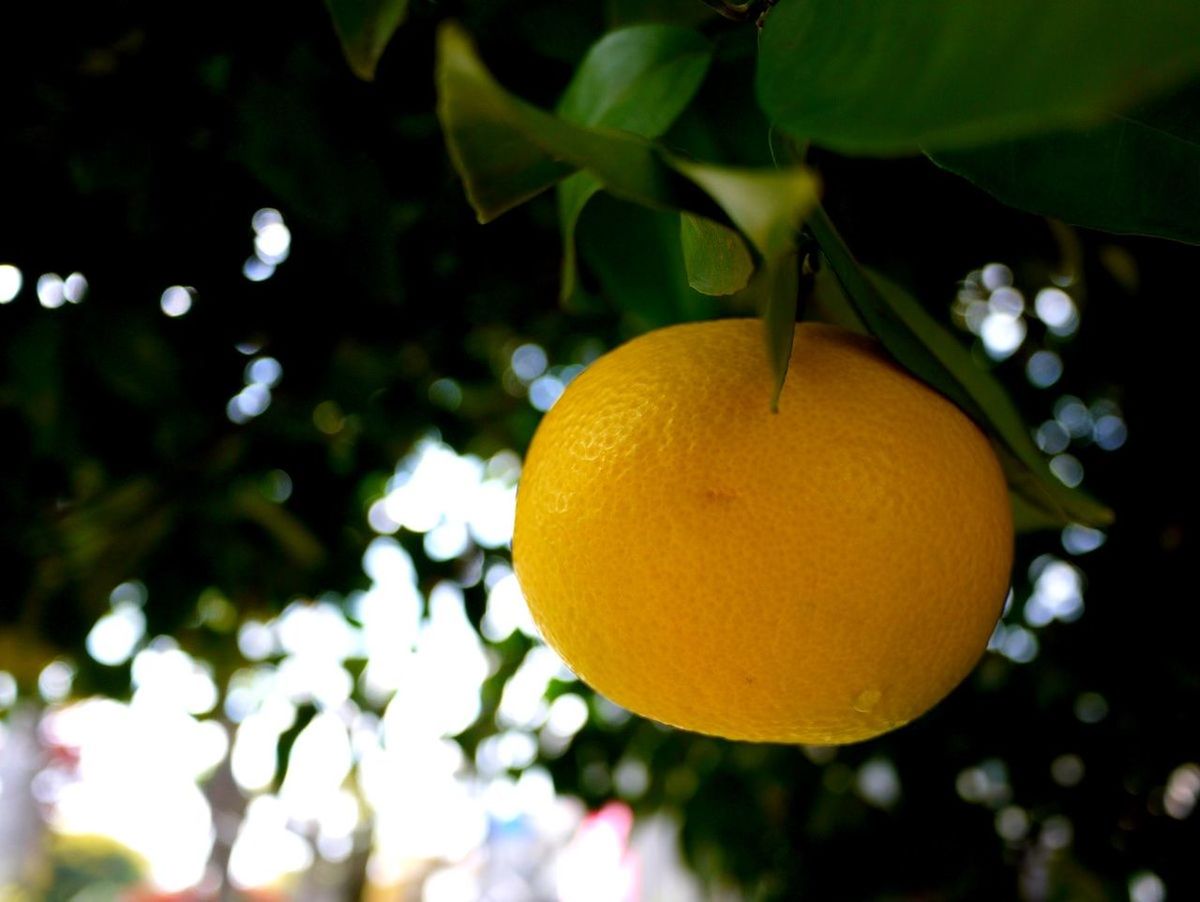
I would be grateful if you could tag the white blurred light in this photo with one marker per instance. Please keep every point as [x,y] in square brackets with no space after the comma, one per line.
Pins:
[131,592]
[1002,334]
[1067,770]
[509,750]
[447,541]
[1044,368]
[273,242]
[631,778]
[596,864]
[379,520]
[265,218]
[995,276]
[137,783]
[1183,789]
[544,391]
[1055,308]
[528,362]
[50,291]
[316,630]
[264,371]
[448,669]
[234,411]
[433,483]
[1068,469]
[453,884]
[253,400]
[335,848]
[75,287]
[8,689]
[975,313]
[1012,823]
[55,681]
[114,636]
[386,562]
[167,677]
[312,678]
[1007,300]
[1146,886]
[491,520]
[11,281]
[1078,539]
[506,610]
[256,640]
[265,850]
[985,784]
[567,716]
[878,783]
[1110,432]
[1020,645]
[319,762]
[1074,416]
[253,759]
[176,301]
[522,703]
[1057,593]
[257,270]
[417,773]
[1052,437]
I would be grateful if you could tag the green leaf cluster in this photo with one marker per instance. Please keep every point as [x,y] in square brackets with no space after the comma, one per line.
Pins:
[1081,110]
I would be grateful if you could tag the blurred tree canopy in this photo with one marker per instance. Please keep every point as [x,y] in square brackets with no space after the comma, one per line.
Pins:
[137,142]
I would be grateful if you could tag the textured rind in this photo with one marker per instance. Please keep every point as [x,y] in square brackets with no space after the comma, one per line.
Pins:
[819,575]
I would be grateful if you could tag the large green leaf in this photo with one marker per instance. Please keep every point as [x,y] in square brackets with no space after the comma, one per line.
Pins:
[637,79]
[895,76]
[364,28]
[507,151]
[1136,173]
[932,353]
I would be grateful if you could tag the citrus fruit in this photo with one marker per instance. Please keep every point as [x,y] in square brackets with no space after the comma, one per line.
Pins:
[821,574]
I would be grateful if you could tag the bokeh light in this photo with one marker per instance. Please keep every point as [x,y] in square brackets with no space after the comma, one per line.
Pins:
[11,281]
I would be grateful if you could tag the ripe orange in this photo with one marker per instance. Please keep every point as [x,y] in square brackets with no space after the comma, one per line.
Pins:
[819,575]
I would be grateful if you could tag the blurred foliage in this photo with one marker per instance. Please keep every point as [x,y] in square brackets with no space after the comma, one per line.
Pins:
[136,146]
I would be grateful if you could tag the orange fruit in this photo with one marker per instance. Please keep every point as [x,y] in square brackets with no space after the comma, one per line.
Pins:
[821,575]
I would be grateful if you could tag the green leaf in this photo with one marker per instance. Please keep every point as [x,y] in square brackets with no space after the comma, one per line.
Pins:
[1138,173]
[364,28]
[928,350]
[774,292]
[507,151]
[895,76]
[768,207]
[639,80]
[717,259]
[1027,517]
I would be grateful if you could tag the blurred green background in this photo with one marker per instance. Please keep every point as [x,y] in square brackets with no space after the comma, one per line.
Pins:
[264,390]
